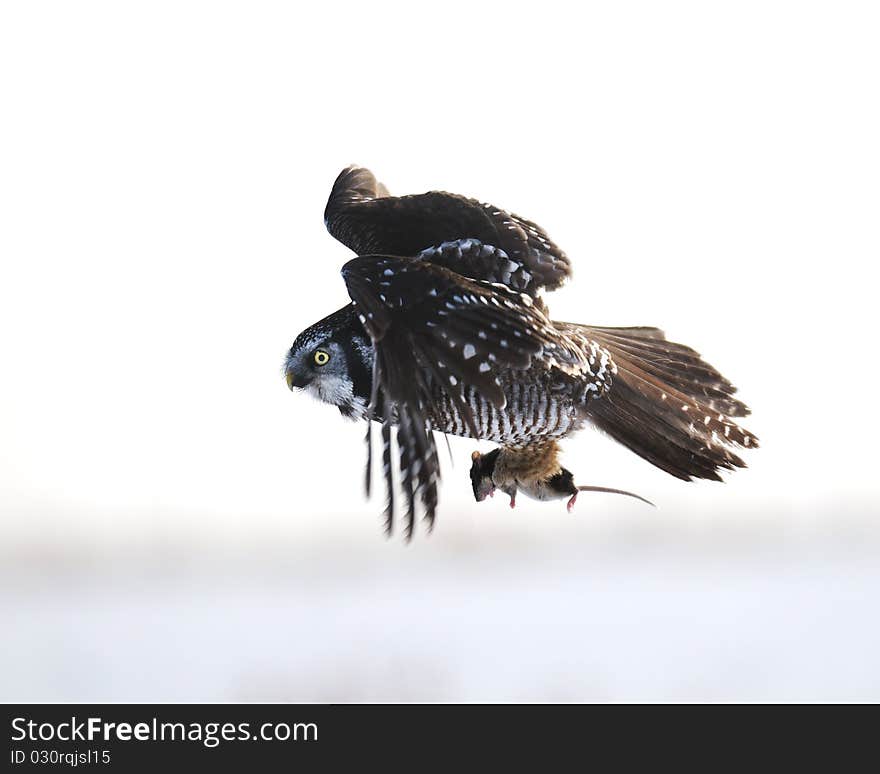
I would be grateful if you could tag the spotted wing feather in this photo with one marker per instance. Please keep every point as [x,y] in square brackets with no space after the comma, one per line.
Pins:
[362,215]
[434,329]
[471,258]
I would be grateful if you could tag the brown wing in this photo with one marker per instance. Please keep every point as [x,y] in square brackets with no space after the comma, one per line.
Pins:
[434,329]
[363,216]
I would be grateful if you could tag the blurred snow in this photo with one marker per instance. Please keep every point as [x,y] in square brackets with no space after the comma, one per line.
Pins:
[176,525]
[628,612]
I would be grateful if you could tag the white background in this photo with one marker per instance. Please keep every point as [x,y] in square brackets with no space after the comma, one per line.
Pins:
[710,169]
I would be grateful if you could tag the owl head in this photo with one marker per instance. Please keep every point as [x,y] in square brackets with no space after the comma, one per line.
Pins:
[332,360]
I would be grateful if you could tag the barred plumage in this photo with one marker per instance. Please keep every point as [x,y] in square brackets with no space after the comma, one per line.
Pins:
[528,413]
[448,332]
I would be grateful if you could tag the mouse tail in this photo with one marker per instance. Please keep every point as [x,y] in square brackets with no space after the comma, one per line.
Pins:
[607,490]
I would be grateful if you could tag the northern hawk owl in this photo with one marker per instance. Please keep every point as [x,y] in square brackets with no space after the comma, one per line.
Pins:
[447,331]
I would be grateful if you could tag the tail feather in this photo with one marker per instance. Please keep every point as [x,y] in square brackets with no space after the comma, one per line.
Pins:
[668,405]
[676,364]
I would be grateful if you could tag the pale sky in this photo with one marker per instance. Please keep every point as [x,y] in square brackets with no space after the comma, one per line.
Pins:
[162,243]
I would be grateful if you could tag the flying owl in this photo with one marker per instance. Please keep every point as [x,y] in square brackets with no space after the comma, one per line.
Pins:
[447,331]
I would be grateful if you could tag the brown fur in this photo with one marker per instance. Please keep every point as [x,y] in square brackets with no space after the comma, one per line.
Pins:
[535,462]
[534,470]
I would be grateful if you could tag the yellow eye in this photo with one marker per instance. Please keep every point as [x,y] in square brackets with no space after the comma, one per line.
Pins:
[321,357]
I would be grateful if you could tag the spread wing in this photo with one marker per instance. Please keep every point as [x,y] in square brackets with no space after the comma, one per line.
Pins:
[363,216]
[434,330]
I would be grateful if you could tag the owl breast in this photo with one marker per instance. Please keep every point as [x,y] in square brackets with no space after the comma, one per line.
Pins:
[536,408]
